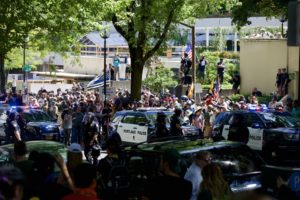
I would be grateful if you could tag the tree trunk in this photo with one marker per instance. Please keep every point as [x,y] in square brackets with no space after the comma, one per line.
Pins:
[136,80]
[2,73]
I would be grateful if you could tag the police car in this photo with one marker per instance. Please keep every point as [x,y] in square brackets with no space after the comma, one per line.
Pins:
[137,126]
[39,125]
[269,133]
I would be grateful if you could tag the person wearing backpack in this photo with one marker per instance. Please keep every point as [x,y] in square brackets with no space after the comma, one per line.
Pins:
[114,175]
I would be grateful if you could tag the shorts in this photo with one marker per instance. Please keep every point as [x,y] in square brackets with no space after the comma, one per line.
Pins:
[116,69]
[128,70]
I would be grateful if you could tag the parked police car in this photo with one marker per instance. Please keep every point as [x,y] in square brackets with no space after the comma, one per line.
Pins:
[39,125]
[274,135]
[240,165]
[136,126]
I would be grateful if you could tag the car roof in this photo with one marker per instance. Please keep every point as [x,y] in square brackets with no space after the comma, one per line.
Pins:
[51,147]
[183,146]
[123,112]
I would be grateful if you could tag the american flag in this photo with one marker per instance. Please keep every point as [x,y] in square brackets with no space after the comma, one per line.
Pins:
[98,81]
[217,89]
[188,50]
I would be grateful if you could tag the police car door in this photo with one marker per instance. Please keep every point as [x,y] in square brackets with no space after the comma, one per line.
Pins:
[133,128]
[255,126]
[127,128]
[226,125]
[142,128]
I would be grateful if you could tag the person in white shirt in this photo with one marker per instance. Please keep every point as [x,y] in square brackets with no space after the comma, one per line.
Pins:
[193,173]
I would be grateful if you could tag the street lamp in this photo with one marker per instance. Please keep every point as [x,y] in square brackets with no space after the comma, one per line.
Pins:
[282,20]
[26,39]
[105,34]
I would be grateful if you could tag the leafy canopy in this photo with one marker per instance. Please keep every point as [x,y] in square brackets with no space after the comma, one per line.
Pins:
[161,79]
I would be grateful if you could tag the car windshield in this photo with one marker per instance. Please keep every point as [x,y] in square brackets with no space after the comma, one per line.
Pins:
[152,117]
[36,117]
[277,121]
[236,160]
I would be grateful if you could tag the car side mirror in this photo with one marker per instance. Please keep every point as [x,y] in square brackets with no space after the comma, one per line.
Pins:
[256,126]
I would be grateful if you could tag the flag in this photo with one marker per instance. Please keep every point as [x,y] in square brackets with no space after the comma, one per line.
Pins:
[188,50]
[191,91]
[211,87]
[217,89]
[98,81]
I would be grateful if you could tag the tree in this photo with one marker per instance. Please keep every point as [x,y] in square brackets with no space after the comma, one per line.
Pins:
[162,78]
[249,8]
[51,24]
[147,24]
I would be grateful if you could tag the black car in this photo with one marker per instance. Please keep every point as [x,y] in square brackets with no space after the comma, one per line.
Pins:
[39,125]
[136,126]
[275,136]
[241,166]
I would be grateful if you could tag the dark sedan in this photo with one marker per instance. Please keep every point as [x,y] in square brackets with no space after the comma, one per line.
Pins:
[39,125]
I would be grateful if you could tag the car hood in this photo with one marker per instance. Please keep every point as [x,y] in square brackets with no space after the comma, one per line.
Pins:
[42,124]
[285,130]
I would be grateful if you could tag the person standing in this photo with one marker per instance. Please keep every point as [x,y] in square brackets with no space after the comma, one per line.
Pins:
[67,125]
[193,174]
[278,81]
[175,128]
[186,64]
[220,70]
[202,68]
[128,68]
[236,81]
[238,130]
[14,84]
[170,185]
[116,65]
[213,185]
[284,82]
[13,132]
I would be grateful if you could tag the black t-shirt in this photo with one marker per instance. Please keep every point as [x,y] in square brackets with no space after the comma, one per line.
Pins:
[173,129]
[168,188]
[220,69]
[238,133]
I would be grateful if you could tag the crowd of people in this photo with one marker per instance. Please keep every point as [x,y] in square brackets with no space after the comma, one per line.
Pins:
[77,109]
[85,119]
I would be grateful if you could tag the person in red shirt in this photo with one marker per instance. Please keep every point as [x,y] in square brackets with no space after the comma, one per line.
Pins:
[85,183]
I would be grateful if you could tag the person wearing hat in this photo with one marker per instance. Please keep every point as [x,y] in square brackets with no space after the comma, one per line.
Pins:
[74,157]
[198,119]
[170,185]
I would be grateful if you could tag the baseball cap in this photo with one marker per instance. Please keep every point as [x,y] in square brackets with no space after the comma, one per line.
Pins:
[75,148]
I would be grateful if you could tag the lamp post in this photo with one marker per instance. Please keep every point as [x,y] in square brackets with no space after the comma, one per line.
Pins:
[24,64]
[282,20]
[105,35]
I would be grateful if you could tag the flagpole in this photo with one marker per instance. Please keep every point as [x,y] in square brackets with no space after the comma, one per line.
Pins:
[193,55]
[193,61]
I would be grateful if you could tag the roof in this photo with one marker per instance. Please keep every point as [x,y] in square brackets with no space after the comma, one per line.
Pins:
[65,75]
[227,22]
[115,39]
[53,59]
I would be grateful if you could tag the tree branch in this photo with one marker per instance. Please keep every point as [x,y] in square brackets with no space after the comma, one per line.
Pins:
[162,36]
[118,27]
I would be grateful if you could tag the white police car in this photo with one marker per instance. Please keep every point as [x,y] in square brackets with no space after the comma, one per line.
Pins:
[137,126]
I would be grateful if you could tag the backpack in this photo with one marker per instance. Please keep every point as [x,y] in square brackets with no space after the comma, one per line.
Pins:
[118,180]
